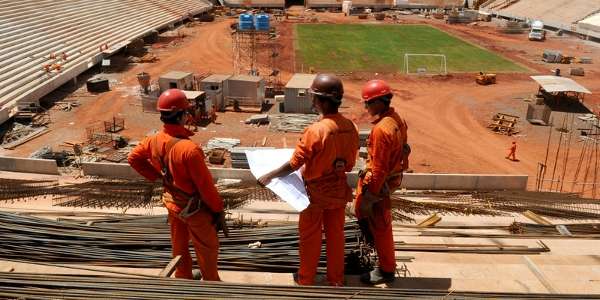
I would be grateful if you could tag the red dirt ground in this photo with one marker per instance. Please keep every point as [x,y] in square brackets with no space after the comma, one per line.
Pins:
[447,117]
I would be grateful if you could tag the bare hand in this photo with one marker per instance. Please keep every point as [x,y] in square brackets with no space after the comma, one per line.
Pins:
[264,180]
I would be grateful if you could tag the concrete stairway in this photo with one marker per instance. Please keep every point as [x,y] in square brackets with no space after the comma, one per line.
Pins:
[32,30]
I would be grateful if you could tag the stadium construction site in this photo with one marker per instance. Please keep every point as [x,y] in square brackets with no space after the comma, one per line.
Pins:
[79,85]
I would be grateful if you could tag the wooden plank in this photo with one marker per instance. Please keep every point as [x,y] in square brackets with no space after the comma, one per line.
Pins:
[430,221]
[170,268]
[540,276]
[536,218]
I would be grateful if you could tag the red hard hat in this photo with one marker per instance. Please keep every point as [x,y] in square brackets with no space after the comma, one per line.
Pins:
[172,100]
[374,89]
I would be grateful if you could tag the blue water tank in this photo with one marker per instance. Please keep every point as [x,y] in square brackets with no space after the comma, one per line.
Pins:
[261,22]
[246,22]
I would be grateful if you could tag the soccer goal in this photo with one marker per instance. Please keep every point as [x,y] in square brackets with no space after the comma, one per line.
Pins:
[425,64]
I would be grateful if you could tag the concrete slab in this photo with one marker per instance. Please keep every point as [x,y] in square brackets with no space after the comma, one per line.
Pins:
[28,165]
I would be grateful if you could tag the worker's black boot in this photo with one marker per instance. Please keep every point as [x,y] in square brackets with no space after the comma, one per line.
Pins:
[377,276]
[196,274]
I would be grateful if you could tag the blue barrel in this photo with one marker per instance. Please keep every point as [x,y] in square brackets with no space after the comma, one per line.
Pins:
[246,22]
[261,22]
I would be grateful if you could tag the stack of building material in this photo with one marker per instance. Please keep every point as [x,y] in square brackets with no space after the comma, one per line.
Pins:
[238,156]
[512,27]
[292,122]
[363,136]
[467,16]
[258,119]
[222,143]
[552,56]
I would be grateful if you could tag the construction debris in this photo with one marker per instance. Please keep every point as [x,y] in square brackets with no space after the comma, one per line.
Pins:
[292,122]
[20,134]
[504,124]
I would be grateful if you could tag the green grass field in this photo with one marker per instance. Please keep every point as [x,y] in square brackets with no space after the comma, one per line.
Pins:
[381,48]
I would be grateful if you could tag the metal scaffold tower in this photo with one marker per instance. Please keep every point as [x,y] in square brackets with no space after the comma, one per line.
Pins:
[255,53]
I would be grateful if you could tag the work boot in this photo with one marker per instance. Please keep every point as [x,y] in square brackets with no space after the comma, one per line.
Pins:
[377,276]
[196,274]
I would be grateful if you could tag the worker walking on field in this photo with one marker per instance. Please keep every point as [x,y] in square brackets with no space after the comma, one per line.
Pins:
[192,200]
[512,152]
[326,151]
[388,158]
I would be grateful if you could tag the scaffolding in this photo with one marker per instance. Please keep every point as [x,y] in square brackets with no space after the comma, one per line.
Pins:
[256,53]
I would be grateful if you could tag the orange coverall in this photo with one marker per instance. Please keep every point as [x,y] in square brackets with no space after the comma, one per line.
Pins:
[512,154]
[386,157]
[190,174]
[333,138]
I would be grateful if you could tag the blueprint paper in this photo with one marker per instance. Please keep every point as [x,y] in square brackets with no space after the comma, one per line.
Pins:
[290,188]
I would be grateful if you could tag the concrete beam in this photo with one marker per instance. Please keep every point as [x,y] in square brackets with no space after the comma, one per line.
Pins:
[412,181]
[28,165]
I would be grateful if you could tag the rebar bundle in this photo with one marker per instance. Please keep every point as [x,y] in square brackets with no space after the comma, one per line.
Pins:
[145,242]
[557,205]
[16,189]
[109,193]
[123,194]
[47,286]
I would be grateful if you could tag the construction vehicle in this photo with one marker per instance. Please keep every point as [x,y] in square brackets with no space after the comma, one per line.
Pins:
[537,32]
[485,79]
[202,109]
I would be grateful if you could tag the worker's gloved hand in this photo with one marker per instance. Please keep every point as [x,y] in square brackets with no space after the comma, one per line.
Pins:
[219,220]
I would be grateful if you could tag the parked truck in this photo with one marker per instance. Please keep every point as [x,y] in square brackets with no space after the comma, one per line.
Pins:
[537,32]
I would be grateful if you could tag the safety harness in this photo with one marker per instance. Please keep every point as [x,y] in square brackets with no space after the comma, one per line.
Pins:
[194,202]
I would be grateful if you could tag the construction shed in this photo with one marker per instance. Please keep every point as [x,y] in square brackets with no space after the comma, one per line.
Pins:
[297,99]
[176,80]
[247,90]
[214,86]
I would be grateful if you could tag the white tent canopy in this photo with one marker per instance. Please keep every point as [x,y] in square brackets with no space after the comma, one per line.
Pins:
[554,84]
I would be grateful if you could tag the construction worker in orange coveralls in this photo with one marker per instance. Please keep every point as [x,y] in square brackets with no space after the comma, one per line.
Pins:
[512,154]
[326,151]
[192,200]
[388,158]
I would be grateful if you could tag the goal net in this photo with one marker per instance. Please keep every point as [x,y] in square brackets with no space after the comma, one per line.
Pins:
[425,64]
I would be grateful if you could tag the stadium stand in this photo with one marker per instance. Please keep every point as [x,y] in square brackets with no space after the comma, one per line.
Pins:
[591,23]
[46,43]
[555,13]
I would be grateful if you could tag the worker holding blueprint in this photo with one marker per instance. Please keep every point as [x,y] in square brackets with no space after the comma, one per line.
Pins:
[326,151]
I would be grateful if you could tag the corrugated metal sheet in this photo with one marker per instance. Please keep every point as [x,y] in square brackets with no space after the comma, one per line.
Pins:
[248,90]
[300,80]
[559,84]
[297,101]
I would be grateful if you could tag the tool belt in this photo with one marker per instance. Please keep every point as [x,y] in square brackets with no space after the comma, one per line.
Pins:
[173,194]
[329,191]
